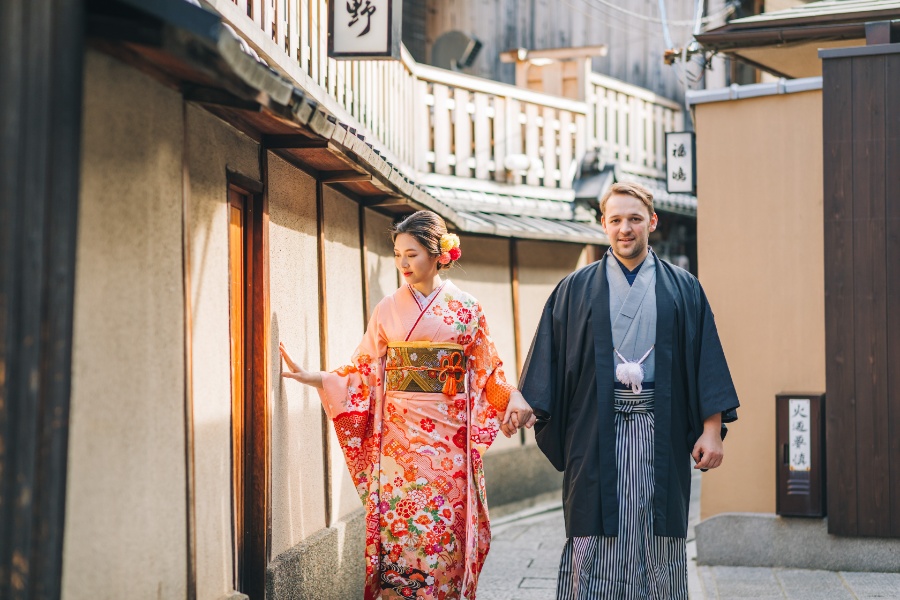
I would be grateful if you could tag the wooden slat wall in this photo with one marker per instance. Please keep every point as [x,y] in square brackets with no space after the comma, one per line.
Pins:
[414,19]
[861,254]
[840,417]
[870,343]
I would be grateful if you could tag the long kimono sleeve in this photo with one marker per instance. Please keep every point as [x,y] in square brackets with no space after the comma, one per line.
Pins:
[352,396]
[715,388]
[489,391]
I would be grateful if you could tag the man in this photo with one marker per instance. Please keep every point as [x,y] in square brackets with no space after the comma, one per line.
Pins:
[628,380]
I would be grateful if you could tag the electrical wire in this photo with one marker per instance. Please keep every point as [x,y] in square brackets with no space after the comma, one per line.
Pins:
[665,24]
[644,17]
[698,16]
[626,25]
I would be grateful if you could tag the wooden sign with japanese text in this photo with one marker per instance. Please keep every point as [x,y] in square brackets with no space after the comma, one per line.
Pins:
[364,29]
[681,163]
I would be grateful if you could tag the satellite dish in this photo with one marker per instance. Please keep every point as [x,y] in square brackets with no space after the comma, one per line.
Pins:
[454,50]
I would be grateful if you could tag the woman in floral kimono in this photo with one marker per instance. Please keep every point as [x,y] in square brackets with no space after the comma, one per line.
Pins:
[415,410]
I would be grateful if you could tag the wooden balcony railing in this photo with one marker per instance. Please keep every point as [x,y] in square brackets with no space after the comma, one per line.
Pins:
[430,120]
[630,124]
[474,127]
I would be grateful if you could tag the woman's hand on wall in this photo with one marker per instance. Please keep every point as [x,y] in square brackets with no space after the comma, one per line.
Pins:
[295,371]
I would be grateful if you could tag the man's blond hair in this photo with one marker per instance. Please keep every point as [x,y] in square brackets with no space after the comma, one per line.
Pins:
[628,188]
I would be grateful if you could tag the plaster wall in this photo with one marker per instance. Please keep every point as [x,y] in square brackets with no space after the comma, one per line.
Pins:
[760,247]
[298,459]
[125,494]
[381,273]
[542,265]
[346,323]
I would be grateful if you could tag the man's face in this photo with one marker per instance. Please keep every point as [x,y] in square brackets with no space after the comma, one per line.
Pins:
[628,224]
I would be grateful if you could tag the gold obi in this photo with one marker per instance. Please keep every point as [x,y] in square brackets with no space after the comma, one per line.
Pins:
[426,367]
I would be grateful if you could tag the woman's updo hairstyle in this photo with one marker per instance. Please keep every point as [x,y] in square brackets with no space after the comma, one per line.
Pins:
[429,229]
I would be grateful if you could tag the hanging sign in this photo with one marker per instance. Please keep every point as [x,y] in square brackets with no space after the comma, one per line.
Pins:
[364,29]
[681,163]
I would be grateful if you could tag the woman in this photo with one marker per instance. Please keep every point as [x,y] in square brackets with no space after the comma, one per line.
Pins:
[421,401]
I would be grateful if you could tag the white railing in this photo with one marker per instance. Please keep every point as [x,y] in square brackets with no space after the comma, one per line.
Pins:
[474,127]
[431,120]
[630,123]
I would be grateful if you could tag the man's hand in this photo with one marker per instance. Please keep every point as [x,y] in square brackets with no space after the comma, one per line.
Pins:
[518,414]
[709,451]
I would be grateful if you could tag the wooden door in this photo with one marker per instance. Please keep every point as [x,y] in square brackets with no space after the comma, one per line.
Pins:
[249,398]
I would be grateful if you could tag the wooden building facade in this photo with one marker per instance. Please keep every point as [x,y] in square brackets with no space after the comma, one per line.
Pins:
[220,185]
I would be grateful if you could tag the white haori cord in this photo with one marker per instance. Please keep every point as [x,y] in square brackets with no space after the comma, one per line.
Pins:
[631,373]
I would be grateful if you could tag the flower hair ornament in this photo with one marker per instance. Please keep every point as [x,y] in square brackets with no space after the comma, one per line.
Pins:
[449,248]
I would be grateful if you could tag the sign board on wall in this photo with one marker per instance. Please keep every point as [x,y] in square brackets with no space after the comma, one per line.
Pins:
[681,163]
[799,426]
[364,29]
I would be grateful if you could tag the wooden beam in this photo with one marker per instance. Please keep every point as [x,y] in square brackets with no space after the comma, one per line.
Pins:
[329,177]
[123,29]
[296,141]
[384,201]
[190,495]
[217,97]
[323,342]
[262,403]
[552,54]
[247,184]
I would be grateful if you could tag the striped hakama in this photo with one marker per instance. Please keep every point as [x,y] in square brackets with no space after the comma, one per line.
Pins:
[635,565]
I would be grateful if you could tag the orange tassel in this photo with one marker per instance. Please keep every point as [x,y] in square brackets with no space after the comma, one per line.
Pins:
[451,372]
[450,386]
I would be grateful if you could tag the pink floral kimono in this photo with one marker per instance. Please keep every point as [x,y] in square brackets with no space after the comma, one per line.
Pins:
[414,412]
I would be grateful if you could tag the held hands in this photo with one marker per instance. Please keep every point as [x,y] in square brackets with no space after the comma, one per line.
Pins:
[518,414]
[295,371]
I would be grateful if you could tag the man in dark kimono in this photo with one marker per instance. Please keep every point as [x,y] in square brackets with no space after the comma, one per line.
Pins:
[628,379]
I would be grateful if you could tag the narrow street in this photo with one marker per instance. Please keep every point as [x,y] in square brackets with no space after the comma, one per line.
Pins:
[525,551]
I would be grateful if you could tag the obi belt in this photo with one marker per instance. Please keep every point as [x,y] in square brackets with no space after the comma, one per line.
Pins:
[426,367]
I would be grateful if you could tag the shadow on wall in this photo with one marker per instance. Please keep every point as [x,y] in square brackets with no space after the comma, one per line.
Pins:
[329,562]
[282,488]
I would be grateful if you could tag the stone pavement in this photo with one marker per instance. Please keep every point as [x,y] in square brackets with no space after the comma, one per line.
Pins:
[526,547]
[525,554]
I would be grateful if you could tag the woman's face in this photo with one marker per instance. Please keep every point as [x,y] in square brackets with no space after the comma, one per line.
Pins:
[413,261]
